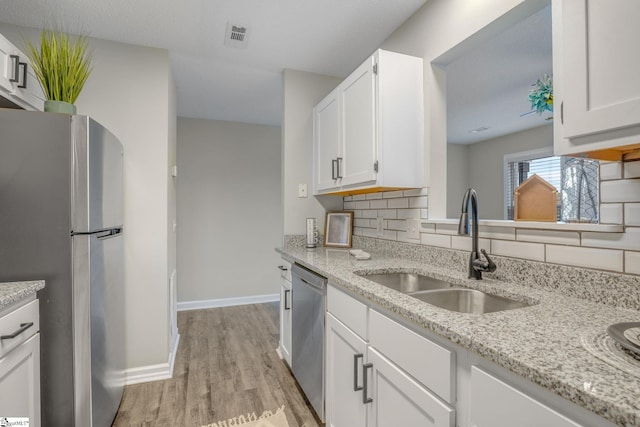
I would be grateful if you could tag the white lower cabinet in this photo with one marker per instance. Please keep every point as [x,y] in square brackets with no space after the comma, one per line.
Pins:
[494,403]
[20,363]
[345,361]
[365,386]
[285,311]
[399,400]
[381,373]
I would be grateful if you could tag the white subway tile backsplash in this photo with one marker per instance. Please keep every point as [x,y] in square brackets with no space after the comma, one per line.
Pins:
[463,243]
[397,224]
[533,251]
[626,190]
[418,202]
[503,233]
[631,169]
[408,213]
[374,196]
[388,213]
[601,259]
[390,235]
[378,204]
[366,232]
[440,240]
[359,197]
[447,229]
[611,213]
[400,203]
[360,222]
[363,204]
[348,205]
[392,194]
[632,262]
[632,213]
[347,198]
[427,228]
[630,239]
[610,171]
[366,214]
[424,213]
[402,237]
[549,236]
[416,192]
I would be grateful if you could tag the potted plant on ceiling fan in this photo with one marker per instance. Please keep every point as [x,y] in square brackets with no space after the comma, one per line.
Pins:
[62,65]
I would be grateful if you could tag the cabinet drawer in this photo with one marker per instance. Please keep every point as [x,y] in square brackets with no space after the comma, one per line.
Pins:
[495,403]
[15,321]
[348,310]
[428,362]
[285,269]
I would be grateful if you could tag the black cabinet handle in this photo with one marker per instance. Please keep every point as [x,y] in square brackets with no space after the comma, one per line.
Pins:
[339,162]
[16,68]
[24,75]
[356,387]
[23,327]
[286,300]
[365,383]
[282,267]
[334,173]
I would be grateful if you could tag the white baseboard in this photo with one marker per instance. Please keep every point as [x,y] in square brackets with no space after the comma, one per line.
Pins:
[161,371]
[226,302]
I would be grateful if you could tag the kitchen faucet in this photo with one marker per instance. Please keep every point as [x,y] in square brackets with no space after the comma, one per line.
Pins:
[476,264]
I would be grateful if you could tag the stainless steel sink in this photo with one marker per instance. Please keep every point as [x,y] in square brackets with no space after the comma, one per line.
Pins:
[407,282]
[467,300]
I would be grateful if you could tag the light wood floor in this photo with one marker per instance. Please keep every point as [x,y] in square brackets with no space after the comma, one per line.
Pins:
[226,366]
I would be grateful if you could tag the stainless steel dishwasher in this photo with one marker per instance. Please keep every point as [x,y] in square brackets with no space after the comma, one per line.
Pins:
[308,292]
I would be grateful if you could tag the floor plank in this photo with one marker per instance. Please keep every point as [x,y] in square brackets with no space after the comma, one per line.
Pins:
[226,366]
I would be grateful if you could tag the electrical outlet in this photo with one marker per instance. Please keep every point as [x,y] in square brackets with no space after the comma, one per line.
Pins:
[380,226]
[302,190]
[413,229]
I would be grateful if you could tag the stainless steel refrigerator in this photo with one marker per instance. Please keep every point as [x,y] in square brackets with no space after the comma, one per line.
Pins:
[61,220]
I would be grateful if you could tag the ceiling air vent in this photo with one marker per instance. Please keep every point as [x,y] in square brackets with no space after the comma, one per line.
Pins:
[236,36]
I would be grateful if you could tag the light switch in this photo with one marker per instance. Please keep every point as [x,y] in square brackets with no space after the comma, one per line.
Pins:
[302,190]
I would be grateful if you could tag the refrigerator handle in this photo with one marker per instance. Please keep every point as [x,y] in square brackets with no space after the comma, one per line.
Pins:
[105,233]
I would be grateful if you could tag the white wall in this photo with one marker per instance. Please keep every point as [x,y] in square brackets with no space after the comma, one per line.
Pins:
[443,27]
[302,91]
[229,209]
[457,177]
[129,93]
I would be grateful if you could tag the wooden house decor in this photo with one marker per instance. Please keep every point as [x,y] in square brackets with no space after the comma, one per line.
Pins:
[535,200]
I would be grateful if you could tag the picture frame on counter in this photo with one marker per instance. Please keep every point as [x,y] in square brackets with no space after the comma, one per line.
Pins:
[338,229]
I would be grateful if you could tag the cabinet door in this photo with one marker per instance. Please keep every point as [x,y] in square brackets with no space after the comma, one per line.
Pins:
[20,382]
[345,358]
[599,65]
[497,404]
[398,400]
[327,141]
[359,125]
[285,320]
[7,70]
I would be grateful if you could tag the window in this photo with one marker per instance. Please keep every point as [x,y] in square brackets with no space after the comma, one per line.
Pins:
[576,180]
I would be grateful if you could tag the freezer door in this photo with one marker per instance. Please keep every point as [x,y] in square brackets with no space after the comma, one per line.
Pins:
[97,194]
[99,332]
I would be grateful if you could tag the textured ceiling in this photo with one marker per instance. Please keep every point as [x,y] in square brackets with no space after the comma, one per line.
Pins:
[489,86]
[214,81]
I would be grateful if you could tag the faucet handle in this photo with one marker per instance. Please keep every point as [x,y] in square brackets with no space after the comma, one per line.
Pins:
[491,266]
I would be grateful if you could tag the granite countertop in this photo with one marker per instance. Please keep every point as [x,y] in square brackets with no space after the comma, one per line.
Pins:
[542,343]
[11,292]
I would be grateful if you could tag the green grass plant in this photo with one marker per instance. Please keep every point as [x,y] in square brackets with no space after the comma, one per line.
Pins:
[62,64]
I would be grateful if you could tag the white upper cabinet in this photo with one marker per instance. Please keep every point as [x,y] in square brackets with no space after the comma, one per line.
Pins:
[18,82]
[596,77]
[369,131]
